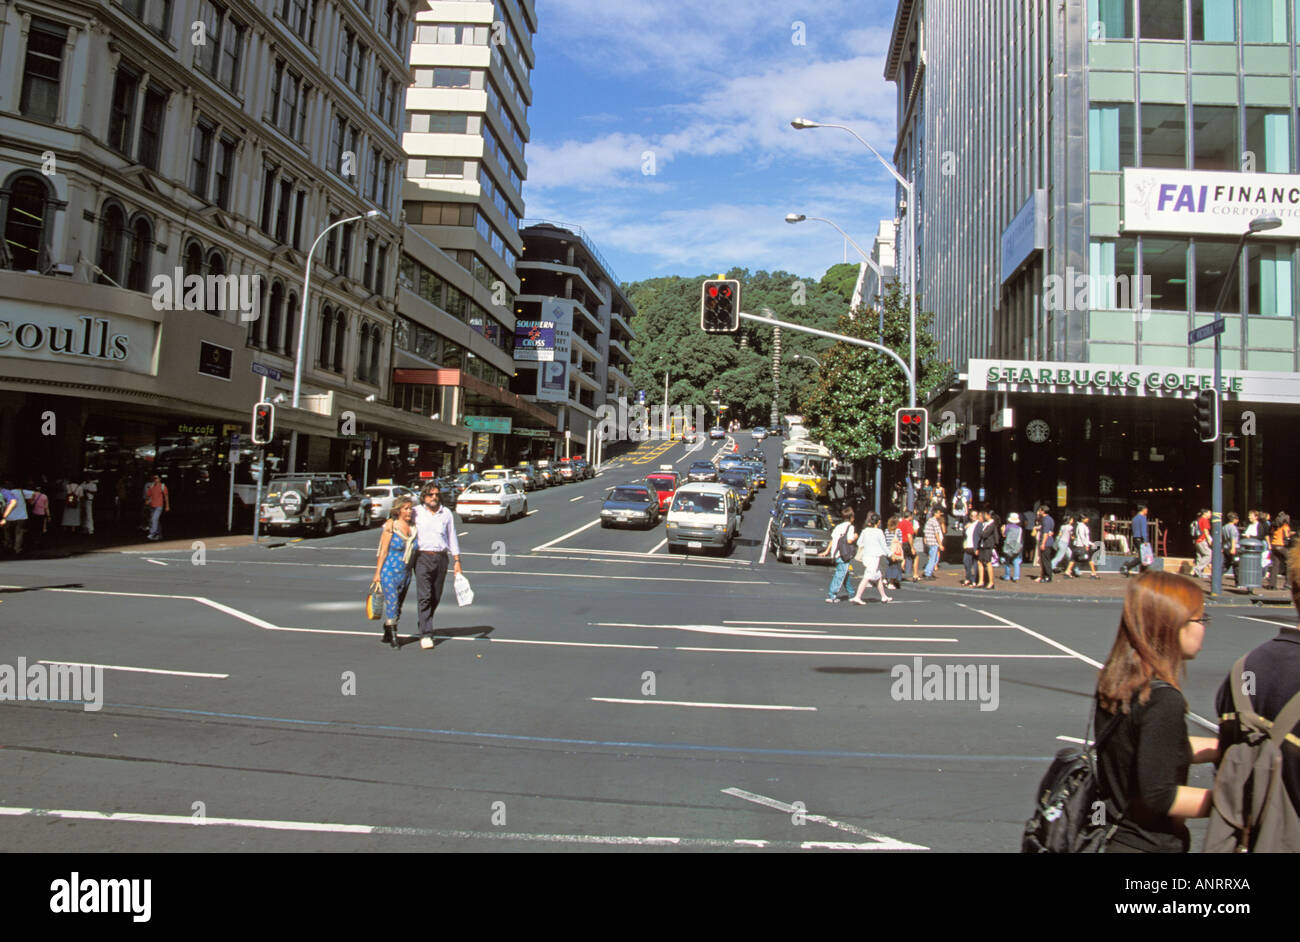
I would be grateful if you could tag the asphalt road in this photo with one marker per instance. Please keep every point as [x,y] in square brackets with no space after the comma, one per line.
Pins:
[598,694]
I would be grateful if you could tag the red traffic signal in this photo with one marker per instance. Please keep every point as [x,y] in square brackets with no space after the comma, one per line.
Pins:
[720,306]
[911,429]
[263,423]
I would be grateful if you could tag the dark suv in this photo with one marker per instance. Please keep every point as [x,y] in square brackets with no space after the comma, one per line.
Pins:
[313,500]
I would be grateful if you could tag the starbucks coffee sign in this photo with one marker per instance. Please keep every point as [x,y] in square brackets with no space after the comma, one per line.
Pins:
[1105,379]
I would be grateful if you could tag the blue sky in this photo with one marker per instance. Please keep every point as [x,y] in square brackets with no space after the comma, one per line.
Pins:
[709,87]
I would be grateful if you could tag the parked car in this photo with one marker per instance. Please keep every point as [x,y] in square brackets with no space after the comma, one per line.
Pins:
[315,501]
[528,472]
[501,499]
[566,469]
[799,528]
[630,504]
[582,468]
[382,497]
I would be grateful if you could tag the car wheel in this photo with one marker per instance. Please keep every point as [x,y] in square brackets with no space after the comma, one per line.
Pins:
[604,524]
[327,525]
[524,512]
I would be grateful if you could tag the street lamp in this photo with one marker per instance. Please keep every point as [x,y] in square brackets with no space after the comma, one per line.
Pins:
[302,328]
[1258,224]
[804,356]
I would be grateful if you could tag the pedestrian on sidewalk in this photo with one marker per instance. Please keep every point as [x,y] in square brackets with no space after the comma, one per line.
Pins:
[918,540]
[970,550]
[1013,548]
[72,496]
[840,548]
[435,529]
[1280,542]
[894,568]
[13,516]
[987,545]
[1064,542]
[160,502]
[1231,534]
[905,535]
[873,552]
[1082,550]
[38,515]
[1141,538]
[88,491]
[1046,543]
[1141,721]
[933,541]
[1204,555]
[395,563]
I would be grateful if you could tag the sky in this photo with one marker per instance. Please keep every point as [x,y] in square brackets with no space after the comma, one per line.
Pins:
[663,129]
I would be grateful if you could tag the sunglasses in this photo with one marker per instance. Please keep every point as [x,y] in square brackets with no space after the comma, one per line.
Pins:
[1204,620]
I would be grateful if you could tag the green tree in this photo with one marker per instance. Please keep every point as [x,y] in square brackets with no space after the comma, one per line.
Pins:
[850,407]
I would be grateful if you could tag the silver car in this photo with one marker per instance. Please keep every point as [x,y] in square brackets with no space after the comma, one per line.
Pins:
[382,497]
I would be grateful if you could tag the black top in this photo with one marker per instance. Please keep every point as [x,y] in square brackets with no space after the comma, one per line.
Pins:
[1276,664]
[1140,766]
[988,536]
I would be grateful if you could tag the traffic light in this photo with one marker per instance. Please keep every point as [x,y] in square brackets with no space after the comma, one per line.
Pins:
[1231,450]
[720,306]
[263,423]
[1207,415]
[911,429]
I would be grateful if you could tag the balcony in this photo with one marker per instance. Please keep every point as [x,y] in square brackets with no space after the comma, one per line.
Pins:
[618,323]
[616,346]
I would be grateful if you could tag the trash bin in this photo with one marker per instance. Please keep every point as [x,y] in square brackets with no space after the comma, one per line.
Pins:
[1250,563]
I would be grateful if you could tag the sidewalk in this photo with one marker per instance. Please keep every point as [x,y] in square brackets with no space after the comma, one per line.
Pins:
[1111,586]
[129,539]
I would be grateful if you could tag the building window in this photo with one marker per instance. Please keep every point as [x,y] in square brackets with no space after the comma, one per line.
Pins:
[1262,21]
[112,241]
[1215,21]
[137,271]
[1268,139]
[381,262]
[291,326]
[300,17]
[288,100]
[368,265]
[1214,137]
[275,319]
[345,249]
[200,158]
[1270,267]
[42,70]
[385,173]
[437,122]
[1164,265]
[363,351]
[219,55]
[390,102]
[151,124]
[326,336]
[282,210]
[332,242]
[1160,19]
[225,172]
[444,78]
[217,266]
[446,168]
[1164,140]
[193,259]
[376,335]
[121,116]
[1110,19]
[268,197]
[1213,260]
[299,205]
[155,14]
[340,340]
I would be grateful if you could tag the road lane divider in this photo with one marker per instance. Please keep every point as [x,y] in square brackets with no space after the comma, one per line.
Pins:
[704,705]
[881,841]
[562,538]
[139,670]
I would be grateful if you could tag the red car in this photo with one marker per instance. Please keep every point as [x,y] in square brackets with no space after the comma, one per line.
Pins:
[665,485]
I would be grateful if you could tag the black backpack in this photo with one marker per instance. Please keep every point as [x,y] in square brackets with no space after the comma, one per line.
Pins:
[843,549]
[1062,822]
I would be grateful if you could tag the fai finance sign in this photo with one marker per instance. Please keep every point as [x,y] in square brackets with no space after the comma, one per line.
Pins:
[1201,202]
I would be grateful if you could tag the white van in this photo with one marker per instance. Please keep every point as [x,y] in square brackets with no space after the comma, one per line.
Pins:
[703,514]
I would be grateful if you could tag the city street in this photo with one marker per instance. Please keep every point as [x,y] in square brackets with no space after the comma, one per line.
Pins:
[599,693]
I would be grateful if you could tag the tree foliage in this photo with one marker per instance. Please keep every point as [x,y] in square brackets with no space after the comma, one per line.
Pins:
[668,338]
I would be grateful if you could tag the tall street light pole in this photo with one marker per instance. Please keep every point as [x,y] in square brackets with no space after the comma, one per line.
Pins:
[1259,224]
[302,328]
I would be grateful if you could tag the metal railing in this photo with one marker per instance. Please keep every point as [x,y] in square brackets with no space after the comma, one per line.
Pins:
[583,237]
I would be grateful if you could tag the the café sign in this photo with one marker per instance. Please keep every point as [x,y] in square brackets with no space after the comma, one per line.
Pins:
[1084,377]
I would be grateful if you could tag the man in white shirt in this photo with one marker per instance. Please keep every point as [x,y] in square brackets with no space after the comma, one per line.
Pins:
[435,535]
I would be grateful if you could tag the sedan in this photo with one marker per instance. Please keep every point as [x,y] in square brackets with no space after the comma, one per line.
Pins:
[493,500]
[798,530]
[630,504]
[760,433]
[665,485]
[739,480]
[717,432]
[701,471]
[382,497]
[784,504]
[758,471]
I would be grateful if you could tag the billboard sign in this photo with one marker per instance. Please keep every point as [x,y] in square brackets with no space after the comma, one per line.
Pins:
[553,374]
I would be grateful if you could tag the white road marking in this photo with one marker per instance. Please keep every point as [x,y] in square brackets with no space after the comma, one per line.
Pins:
[767,534]
[711,706]
[1195,717]
[531,512]
[139,670]
[572,499]
[882,842]
[381,830]
[138,595]
[658,546]
[463,533]
[849,624]
[1039,657]
[156,562]
[768,633]
[720,562]
[559,539]
[236,613]
[1264,621]
[1081,742]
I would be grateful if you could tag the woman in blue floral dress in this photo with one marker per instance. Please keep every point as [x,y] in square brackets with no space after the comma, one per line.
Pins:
[396,558]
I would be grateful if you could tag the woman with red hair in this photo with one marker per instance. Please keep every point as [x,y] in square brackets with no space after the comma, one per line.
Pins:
[1144,750]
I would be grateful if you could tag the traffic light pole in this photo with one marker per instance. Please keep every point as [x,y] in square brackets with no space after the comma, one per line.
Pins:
[1216,481]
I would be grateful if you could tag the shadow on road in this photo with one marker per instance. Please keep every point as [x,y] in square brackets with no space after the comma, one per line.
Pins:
[38,588]
[852,670]
[442,635]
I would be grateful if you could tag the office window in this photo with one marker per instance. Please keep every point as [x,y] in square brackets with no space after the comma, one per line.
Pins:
[390,102]
[299,204]
[340,340]
[368,264]
[1164,265]
[137,267]
[1160,19]
[300,17]
[1110,19]
[1263,21]
[121,116]
[444,78]
[332,242]
[372,174]
[347,49]
[381,263]
[200,158]
[1164,141]
[112,239]
[1214,138]
[232,41]
[268,197]
[1214,21]
[42,70]
[448,168]
[1269,288]
[219,55]
[288,100]
[326,336]
[363,350]
[225,171]
[437,122]
[1213,259]
[151,123]
[282,210]
[345,249]
[385,172]
[377,94]
[1268,139]
[155,14]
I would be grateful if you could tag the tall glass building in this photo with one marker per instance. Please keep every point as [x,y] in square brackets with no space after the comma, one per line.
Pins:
[1083,171]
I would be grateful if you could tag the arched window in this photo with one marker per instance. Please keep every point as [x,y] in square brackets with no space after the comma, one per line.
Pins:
[112,239]
[291,326]
[138,267]
[340,340]
[217,303]
[375,336]
[257,328]
[363,351]
[27,199]
[326,337]
[193,259]
[275,317]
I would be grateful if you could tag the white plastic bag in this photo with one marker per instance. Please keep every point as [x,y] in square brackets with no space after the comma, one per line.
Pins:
[464,594]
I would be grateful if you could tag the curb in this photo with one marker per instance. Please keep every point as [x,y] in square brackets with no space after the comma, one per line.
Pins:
[1247,602]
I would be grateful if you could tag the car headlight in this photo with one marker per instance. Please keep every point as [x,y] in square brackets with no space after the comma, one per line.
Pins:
[719,527]
[671,525]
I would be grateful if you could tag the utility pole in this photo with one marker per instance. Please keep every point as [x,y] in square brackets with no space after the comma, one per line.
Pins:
[776,374]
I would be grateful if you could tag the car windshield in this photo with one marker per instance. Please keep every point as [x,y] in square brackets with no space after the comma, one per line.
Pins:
[808,465]
[698,503]
[279,487]
[634,495]
[483,487]
[734,477]
[702,466]
[378,491]
[663,484]
[807,521]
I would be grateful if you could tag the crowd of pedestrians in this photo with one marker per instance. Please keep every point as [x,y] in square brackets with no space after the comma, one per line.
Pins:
[42,514]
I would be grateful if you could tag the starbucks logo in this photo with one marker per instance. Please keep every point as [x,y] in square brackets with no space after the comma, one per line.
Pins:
[1106,484]
[1038,431]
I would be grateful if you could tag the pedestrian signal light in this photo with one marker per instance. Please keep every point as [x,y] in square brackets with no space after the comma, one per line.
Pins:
[1207,415]
[1231,450]
[911,429]
[263,423]
[720,306]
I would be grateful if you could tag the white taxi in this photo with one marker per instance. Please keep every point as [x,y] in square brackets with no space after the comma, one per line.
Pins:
[492,500]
